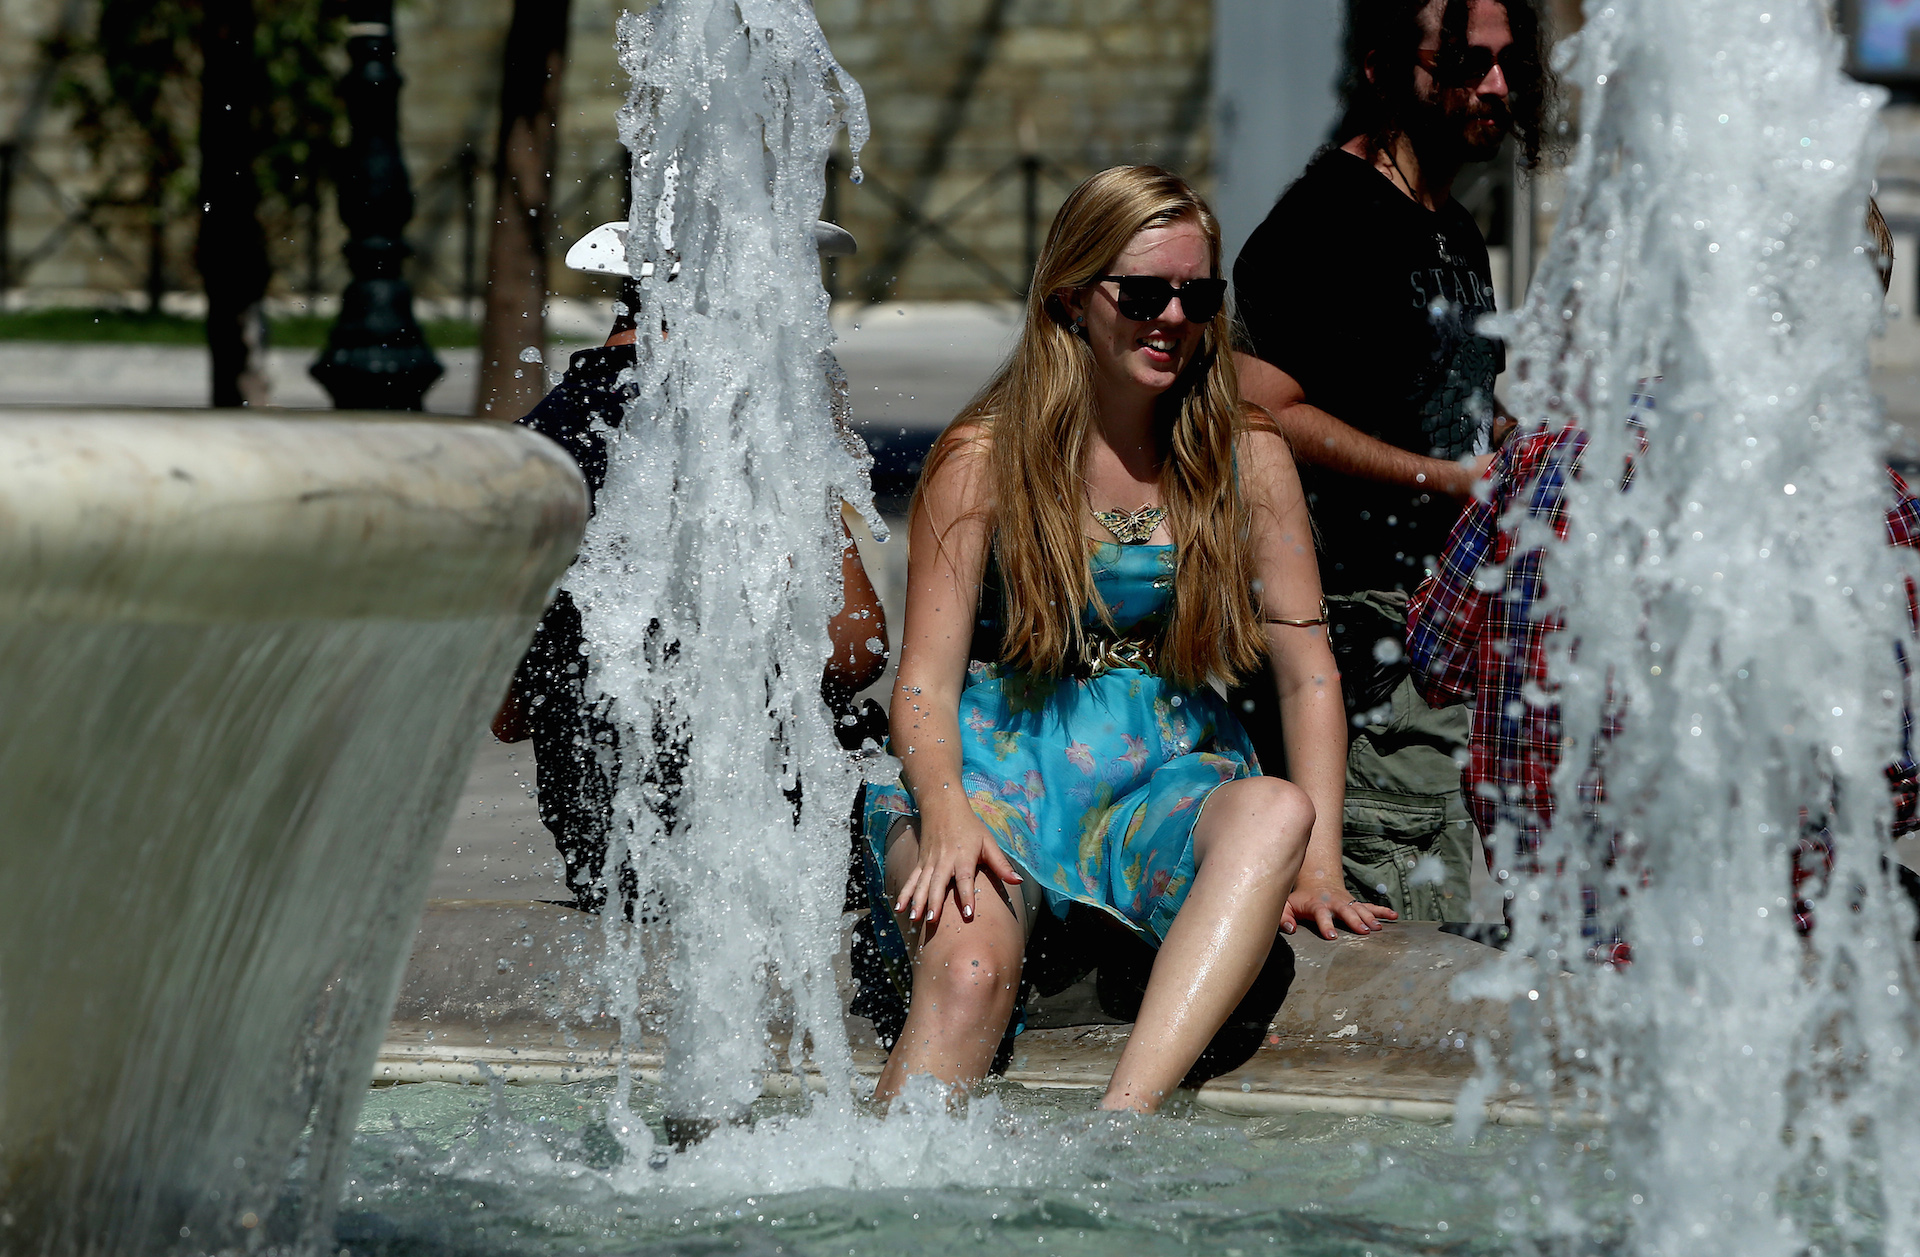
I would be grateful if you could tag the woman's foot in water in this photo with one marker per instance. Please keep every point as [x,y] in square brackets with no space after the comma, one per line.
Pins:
[966,980]
[1248,847]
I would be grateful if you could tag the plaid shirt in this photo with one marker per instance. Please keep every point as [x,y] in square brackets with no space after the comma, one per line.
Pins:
[1477,630]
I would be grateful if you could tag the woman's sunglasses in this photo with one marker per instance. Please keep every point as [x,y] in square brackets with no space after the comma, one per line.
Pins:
[1143,297]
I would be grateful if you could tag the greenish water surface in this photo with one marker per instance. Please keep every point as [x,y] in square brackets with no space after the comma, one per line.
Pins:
[448,1169]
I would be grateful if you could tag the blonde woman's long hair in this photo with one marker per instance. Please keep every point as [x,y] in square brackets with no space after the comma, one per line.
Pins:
[1036,413]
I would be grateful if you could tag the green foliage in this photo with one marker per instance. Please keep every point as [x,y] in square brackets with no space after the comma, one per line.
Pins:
[303,122]
[309,331]
[132,84]
[70,325]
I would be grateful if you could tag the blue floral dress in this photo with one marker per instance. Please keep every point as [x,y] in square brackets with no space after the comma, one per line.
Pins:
[1091,785]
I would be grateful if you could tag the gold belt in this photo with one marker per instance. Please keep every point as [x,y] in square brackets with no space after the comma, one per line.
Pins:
[1102,655]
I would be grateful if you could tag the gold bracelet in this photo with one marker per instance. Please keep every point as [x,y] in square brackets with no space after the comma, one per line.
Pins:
[1300,623]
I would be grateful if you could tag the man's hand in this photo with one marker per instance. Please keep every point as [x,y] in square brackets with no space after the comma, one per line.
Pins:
[1460,478]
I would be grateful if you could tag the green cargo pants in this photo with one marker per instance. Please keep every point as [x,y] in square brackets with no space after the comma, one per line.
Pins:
[1408,840]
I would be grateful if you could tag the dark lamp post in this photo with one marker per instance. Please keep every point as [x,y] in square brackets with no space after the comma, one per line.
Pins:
[376,357]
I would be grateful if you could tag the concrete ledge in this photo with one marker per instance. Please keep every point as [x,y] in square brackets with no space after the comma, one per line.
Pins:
[480,1065]
[501,990]
[228,516]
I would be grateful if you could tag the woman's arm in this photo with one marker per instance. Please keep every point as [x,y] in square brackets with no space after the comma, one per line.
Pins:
[1312,716]
[946,555]
[858,630]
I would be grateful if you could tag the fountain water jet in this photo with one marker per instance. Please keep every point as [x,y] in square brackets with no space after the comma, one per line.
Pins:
[1736,609]
[712,563]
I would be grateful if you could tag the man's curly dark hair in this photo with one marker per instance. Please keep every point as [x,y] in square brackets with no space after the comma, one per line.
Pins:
[1389,32]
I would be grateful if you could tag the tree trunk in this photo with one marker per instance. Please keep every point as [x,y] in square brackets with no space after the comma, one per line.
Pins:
[232,248]
[522,217]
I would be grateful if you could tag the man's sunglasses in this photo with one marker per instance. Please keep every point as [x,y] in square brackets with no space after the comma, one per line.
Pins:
[1143,297]
[1466,66]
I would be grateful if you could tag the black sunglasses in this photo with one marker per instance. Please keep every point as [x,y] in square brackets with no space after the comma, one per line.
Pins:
[1466,66]
[1143,297]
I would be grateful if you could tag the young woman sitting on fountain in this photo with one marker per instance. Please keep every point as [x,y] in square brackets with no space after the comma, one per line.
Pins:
[1103,534]
[575,747]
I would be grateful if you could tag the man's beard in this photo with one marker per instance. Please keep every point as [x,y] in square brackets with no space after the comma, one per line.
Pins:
[1450,133]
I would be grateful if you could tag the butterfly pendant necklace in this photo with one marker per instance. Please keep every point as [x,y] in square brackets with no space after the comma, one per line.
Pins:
[1132,528]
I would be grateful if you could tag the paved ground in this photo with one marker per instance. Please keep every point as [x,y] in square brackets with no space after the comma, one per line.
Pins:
[912,367]
[496,847]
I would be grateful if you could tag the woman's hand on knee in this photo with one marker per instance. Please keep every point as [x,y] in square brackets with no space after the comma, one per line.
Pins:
[950,856]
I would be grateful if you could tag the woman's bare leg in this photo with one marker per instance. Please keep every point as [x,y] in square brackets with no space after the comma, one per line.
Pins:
[966,978]
[1247,847]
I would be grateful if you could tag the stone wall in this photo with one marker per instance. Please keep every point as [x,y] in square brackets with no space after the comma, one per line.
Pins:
[1076,85]
[960,91]
[985,113]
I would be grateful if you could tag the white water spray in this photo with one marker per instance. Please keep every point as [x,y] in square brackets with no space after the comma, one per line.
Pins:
[713,565]
[1738,608]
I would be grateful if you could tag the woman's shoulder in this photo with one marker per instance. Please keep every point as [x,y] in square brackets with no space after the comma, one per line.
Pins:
[969,435]
[961,454]
[957,477]
[1262,455]
[1260,440]
[1257,420]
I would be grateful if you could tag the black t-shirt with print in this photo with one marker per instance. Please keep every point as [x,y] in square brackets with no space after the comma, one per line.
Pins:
[1368,299]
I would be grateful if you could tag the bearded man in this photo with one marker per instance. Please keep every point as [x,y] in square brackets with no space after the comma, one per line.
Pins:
[1359,296]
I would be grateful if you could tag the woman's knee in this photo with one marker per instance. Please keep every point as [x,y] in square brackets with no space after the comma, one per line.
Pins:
[970,970]
[1273,804]
[899,852]
[1262,818]
[1290,805]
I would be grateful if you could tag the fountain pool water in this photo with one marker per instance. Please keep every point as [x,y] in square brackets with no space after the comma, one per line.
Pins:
[443,1169]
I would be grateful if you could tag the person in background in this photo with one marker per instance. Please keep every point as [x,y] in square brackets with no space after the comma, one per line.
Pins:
[576,748]
[1360,295]
[1478,630]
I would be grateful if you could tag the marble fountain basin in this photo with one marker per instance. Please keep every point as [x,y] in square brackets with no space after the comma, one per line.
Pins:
[244,662]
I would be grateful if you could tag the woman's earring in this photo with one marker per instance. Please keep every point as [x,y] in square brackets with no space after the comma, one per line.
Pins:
[1080,326]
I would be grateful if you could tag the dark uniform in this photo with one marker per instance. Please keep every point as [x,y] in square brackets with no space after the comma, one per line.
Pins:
[576,749]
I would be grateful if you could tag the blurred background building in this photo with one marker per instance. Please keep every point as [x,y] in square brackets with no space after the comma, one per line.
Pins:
[985,113]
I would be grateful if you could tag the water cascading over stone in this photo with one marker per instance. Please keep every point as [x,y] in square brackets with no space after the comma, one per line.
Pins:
[244,661]
[713,564]
[1735,610]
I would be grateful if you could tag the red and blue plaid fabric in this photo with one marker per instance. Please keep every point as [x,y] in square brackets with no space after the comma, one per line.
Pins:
[1903,775]
[1477,631]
